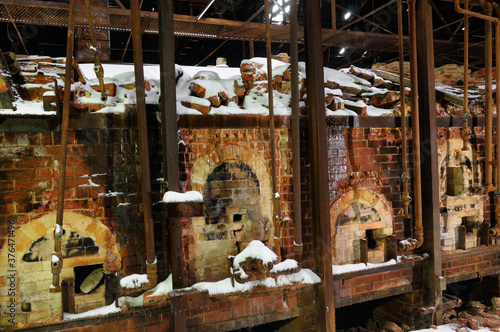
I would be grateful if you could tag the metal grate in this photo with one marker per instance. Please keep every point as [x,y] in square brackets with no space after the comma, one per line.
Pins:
[119,22]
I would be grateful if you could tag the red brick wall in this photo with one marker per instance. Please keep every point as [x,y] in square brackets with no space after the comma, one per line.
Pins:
[101,149]
[356,287]
[197,311]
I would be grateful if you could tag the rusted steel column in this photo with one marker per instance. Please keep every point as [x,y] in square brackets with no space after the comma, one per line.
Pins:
[251,49]
[143,134]
[57,264]
[297,192]
[466,115]
[276,198]
[170,150]
[497,102]
[168,105]
[405,177]
[418,232]
[430,170]
[322,231]
[488,59]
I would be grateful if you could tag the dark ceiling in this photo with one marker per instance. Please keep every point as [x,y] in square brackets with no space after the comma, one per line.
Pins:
[366,36]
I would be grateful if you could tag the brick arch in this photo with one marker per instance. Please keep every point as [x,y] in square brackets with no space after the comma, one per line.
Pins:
[102,236]
[342,243]
[205,165]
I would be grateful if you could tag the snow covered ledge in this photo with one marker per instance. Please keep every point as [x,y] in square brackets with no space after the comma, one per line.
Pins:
[188,204]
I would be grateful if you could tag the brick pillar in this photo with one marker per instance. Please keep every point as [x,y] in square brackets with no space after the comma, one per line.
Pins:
[83,41]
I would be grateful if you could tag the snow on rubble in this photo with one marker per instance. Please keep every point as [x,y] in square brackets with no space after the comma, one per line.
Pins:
[211,90]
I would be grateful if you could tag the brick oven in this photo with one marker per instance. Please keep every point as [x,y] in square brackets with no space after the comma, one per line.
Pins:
[87,245]
[236,182]
[360,215]
[461,194]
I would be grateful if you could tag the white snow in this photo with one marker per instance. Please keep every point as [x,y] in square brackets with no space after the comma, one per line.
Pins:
[451,328]
[345,268]
[89,184]
[304,276]
[55,259]
[109,309]
[213,79]
[110,194]
[26,107]
[134,281]
[377,111]
[286,265]
[176,197]
[343,112]
[58,230]
[257,250]
[163,288]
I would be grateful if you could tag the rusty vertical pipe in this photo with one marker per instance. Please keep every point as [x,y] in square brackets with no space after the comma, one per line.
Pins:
[276,197]
[404,157]
[251,49]
[497,102]
[57,263]
[415,127]
[297,192]
[143,135]
[466,115]
[489,93]
[93,50]
[334,15]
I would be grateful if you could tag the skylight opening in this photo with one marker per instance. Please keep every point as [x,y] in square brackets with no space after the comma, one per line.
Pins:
[280,11]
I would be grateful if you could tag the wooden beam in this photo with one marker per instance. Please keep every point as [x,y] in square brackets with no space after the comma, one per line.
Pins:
[429,154]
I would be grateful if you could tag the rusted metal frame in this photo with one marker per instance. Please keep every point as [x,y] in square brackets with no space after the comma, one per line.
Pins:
[119,3]
[450,24]
[430,169]
[497,102]
[130,36]
[320,201]
[466,116]
[457,29]
[488,19]
[17,30]
[363,18]
[57,263]
[418,231]
[143,144]
[235,32]
[405,177]
[98,70]
[359,18]
[297,190]
[277,221]
[443,20]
